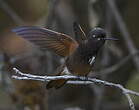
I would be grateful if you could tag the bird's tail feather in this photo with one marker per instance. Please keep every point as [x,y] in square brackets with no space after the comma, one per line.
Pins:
[56,83]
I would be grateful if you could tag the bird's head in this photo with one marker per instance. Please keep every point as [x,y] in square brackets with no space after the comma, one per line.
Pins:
[97,37]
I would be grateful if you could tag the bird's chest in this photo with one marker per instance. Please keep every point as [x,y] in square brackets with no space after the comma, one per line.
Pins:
[80,63]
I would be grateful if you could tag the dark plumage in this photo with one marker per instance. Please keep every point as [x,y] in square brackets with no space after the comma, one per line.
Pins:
[80,53]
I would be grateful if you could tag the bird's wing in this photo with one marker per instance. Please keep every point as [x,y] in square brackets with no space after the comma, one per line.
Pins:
[80,36]
[59,43]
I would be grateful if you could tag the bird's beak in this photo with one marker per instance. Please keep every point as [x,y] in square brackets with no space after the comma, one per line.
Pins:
[110,38]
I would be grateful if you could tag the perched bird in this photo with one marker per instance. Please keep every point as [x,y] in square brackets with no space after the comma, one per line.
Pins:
[79,54]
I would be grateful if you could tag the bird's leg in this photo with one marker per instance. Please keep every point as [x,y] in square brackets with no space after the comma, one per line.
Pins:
[85,78]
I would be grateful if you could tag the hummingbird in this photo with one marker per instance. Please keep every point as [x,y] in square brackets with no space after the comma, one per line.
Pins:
[79,54]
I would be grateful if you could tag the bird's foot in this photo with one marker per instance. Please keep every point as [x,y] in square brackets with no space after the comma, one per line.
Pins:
[83,78]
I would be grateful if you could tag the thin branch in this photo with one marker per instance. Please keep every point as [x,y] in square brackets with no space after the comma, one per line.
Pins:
[123,28]
[11,13]
[131,104]
[78,80]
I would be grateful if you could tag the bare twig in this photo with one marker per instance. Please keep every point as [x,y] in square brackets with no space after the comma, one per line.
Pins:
[115,67]
[11,13]
[78,80]
[131,104]
[123,28]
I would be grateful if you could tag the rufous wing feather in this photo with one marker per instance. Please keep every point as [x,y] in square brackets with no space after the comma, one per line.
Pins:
[46,39]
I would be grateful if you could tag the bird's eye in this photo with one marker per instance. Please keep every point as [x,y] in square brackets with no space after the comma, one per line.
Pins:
[98,38]
[94,36]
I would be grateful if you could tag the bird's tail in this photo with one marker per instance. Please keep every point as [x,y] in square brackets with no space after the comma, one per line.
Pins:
[56,83]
